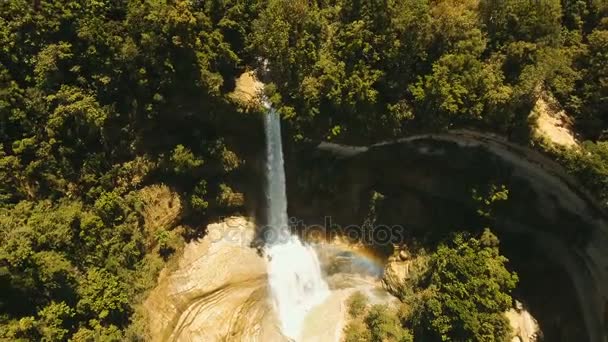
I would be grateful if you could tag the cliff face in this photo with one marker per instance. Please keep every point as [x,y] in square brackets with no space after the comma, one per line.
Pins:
[552,231]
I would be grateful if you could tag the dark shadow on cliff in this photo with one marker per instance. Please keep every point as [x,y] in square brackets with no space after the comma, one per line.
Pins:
[548,225]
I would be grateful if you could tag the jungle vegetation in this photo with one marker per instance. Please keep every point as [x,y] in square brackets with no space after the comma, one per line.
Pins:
[102,99]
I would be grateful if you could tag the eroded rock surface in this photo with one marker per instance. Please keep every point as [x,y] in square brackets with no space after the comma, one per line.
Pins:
[248,89]
[217,293]
[552,122]
[395,273]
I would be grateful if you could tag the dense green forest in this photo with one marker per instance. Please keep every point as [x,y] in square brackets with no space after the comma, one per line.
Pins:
[433,307]
[102,99]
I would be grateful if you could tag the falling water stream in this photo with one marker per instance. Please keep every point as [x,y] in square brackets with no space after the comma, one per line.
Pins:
[294,271]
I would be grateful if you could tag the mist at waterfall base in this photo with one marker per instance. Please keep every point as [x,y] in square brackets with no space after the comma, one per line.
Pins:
[294,271]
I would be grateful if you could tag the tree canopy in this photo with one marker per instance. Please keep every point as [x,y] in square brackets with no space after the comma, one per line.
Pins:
[459,292]
[356,71]
[100,100]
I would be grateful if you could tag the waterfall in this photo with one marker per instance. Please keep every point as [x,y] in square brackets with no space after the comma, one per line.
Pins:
[276,198]
[294,272]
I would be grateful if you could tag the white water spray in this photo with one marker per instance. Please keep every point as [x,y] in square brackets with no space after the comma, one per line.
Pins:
[294,271]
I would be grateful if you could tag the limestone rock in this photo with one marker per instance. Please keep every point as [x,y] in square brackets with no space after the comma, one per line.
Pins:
[525,327]
[552,123]
[395,273]
[326,321]
[404,255]
[248,89]
[217,293]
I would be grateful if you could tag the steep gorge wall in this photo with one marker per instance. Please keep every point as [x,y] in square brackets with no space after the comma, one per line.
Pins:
[426,181]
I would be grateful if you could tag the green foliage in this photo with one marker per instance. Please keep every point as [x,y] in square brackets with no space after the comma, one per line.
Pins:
[488,199]
[109,333]
[110,207]
[461,88]
[376,324]
[384,325]
[457,293]
[197,199]
[371,71]
[590,166]
[24,329]
[97,100]
[101,98]
[64,267]
[357,331]
[103,296]
[54,321]
[184,161]
[521,20]
[590,99]
[466,292]
[85,87]
[230,160]
[332,63]
[357,304]
[228,198]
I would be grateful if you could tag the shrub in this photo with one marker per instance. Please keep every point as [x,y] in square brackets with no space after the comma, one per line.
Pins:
[357,304]
[183,160]
[384,325]
[197,199]
[466,292]
[356,331]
